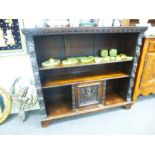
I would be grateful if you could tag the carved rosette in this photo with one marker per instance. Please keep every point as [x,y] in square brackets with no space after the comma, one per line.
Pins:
[31,52]
[134,68]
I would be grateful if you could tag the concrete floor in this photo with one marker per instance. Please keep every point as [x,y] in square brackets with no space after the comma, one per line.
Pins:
[140,119]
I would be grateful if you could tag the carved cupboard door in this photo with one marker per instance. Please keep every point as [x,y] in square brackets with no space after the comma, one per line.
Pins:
[88,93]
[148,76]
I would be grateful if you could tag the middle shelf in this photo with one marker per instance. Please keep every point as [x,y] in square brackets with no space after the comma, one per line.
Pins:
[84,77]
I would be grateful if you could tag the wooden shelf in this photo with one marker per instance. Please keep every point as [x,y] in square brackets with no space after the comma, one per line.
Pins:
[75,79]
[82,30]
[113,98]
[79,65]
[59,108]
[62,109]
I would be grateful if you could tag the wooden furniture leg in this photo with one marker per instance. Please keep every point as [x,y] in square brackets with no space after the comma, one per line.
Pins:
[44,124]
[127,107]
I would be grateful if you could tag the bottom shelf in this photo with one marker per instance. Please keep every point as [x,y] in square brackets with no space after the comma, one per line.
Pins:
[113,98]
[62,109]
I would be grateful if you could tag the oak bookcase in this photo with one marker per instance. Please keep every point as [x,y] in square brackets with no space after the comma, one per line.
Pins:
[65,91]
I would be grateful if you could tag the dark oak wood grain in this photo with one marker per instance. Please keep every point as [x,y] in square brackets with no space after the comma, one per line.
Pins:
[58,83]
[113,98]
[63,46]
[62,109]
[69,79]
[82,30]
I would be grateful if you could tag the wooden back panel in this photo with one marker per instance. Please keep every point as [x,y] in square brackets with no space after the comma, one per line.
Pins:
[78,71]
[62,46]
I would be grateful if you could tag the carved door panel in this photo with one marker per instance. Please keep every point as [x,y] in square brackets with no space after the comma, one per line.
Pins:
[89,93]
[148,76]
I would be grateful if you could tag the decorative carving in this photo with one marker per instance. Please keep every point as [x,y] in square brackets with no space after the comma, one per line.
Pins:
[31,51]
[134,68]
[148,74]
[24,95]
[88,94]
[73,97]
[5,105]
[147,91]
[30,44]
[139,41]
[145,76]
[103,90]
[72,30]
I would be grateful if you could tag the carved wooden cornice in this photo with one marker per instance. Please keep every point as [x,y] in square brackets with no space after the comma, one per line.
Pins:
[80,30]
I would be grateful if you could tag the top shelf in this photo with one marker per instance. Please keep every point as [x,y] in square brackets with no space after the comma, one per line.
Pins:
[82,30]
[79,64]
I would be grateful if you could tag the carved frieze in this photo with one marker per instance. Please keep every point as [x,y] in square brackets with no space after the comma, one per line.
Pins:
[73,30]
